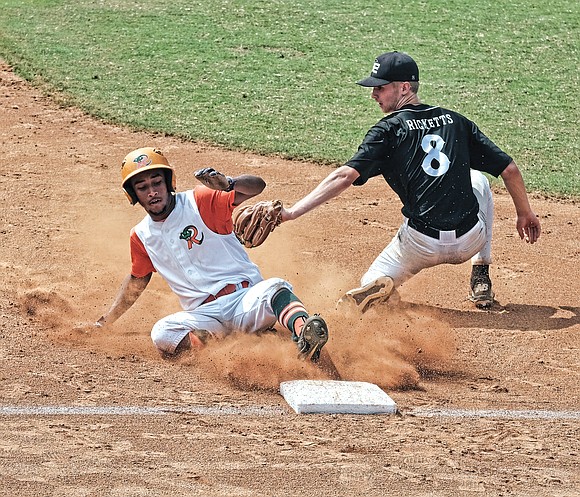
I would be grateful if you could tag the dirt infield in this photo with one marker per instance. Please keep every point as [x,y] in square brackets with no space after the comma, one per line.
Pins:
[104,415]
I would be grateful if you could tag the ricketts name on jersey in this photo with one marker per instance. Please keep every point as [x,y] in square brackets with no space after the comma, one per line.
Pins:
[432,122]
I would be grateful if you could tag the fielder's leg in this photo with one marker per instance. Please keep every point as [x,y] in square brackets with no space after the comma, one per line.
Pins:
[481,292]
[377,291]
[389,270]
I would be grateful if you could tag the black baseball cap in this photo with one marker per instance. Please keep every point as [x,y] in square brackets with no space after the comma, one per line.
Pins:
[391,66]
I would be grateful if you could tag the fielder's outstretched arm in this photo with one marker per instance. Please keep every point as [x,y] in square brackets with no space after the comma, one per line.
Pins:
[332,186]
[527,223]
[131,288]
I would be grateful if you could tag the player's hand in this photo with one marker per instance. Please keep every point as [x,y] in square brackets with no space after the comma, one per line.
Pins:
[87,328]
[214,179]
[528,227]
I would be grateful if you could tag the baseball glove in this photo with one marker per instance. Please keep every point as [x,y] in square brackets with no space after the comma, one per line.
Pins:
[214,179]
[254,223]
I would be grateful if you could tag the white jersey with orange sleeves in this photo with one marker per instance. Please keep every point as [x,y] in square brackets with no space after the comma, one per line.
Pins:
[191,257]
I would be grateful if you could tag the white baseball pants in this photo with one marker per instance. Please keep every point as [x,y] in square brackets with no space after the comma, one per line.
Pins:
[411,251]
[248,310]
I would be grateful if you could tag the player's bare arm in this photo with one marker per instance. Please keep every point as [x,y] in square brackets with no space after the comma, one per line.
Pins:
[130,290]
[246,186]
[527,223]
[332,186]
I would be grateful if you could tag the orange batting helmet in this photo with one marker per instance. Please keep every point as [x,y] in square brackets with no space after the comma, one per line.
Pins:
[144,159]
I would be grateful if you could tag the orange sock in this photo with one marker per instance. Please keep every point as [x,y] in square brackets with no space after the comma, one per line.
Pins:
[299,324]
[195,341]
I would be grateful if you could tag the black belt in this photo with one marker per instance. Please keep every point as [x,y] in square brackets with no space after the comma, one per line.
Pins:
[463,228]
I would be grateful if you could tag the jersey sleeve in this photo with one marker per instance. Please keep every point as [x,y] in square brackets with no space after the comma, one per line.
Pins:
[215,208]
[372,154]
[485,155]
[141,264]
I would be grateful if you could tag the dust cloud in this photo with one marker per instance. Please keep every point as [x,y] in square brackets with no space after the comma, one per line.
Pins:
[390,345]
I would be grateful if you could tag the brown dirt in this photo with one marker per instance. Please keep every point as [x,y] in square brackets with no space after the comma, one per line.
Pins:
[64,251]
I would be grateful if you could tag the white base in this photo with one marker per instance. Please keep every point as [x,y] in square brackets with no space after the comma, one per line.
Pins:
[336,397]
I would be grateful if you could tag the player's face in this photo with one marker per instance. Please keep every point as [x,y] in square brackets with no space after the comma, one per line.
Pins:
[387,96]
[152,193]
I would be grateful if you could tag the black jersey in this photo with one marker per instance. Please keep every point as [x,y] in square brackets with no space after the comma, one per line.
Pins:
[425,154]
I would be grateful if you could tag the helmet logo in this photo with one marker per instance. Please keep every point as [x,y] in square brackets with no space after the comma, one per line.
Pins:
[142,160]
[189,234]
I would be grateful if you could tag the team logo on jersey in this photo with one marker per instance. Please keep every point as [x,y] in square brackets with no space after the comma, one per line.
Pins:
[142,161]
[189,234]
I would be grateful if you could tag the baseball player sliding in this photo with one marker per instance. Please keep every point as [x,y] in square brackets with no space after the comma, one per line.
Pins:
[187,238]
[432,158]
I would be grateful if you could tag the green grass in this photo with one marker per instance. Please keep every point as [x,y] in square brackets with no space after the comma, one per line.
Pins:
[278,77]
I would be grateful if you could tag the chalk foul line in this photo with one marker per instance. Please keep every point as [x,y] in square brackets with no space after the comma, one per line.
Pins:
[137,410]
[433,412]
[425,412]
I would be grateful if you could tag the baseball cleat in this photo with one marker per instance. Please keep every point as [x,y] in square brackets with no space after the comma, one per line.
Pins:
[372,293]
[313,337]
[481,293]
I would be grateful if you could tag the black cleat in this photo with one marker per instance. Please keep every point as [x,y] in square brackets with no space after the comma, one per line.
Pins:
[481,293]
[313,337]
